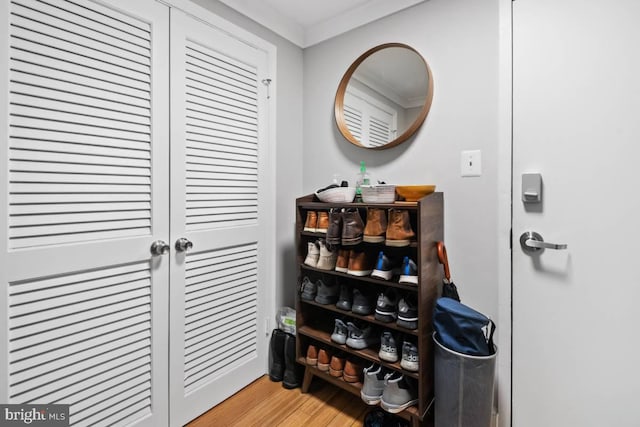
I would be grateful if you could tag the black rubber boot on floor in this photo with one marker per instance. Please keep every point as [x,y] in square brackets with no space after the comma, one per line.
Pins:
[276,355]
[293,371]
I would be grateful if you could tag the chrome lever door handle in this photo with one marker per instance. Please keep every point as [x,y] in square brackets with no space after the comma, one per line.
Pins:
[183,245]
[159,247]
[532,242]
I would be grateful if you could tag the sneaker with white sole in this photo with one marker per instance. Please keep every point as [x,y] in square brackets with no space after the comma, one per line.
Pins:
[409,357]
[373,384]
[388,348]
[359,338]
[383,269]
[387,306]
[313,253]
[328,256]
[409,272]
[408,313]
[399,393]
[340,332]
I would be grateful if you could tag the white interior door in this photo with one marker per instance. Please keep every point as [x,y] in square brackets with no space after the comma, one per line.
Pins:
[219,287]
[84,122]
[576,107]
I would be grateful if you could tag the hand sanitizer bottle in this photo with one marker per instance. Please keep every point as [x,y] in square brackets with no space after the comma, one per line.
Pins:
[363,179]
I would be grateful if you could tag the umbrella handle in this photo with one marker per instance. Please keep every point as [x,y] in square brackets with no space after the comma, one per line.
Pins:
[444,260]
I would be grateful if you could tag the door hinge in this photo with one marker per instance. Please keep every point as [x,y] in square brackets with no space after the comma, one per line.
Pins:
[267,326]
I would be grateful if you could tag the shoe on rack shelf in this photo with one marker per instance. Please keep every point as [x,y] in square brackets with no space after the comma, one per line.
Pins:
[340,332]
[336,367]
[311,357]
[328,256]
[409,357]
[383,269]
[334,230]
[352,227]
[373,384]
[308,289]
[376,227]
[313,253]
[311,221]
[408,312]
[409,272]
[399,232]
[388,348]
[323,222]
[399,393]
[352,371]
[387,306]
[361,338]
[361,303]
[345,299]
[327,292]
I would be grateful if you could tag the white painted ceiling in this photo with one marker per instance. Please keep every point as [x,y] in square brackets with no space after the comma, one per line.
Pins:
[307,22]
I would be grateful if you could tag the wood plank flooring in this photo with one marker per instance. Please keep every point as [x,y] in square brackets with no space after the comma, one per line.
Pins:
[264,403]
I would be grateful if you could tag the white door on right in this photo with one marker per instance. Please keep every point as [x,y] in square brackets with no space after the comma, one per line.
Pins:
[576,121]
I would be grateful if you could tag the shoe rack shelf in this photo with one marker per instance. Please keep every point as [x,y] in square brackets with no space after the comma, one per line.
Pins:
[315,321]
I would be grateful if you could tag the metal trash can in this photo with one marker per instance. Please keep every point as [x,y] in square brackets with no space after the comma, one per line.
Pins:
[463,388]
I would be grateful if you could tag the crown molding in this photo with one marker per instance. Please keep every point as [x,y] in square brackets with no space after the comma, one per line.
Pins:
[303,37]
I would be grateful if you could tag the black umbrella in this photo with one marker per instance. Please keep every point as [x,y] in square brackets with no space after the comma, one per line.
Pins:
[449,289]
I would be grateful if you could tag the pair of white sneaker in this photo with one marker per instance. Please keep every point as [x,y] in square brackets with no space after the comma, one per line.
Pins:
[321,256]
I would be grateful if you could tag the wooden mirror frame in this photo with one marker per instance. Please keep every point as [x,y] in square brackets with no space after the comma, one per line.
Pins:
[342,88]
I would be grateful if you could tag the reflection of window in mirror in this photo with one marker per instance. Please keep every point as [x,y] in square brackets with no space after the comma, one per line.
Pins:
[371,117]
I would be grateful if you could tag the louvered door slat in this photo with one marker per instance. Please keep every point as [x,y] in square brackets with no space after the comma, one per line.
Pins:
[73,148]
[61,19]
[25,105]
[202,149]
[217,104]
[139,382]
[67,42]
[18,210]
[88,140]
[56,79]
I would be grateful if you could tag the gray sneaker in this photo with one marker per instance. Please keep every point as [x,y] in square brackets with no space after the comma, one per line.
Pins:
[345,299]
[340,332]
[408,313]
[360,339]
[308,289]
[387,306]
[327,292]
[409,357]
[373,384]
[399,393]
[361,303]
[388,348]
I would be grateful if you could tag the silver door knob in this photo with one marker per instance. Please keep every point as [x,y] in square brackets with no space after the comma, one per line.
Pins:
[533,242]
[183,245]
[159,247]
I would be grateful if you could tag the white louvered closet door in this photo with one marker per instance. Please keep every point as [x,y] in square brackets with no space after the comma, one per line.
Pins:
[218,131]
[84,173]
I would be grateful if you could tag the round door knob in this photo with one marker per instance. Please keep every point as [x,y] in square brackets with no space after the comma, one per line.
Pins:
[159,247]
[183,245]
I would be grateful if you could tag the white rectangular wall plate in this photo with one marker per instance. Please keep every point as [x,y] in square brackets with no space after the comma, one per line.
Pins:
[471,163]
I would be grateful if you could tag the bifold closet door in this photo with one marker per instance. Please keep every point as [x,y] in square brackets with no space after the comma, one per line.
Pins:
[218,127]
[83,176]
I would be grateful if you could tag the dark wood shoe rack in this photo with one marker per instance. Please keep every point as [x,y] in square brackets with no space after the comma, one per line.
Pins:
[315,322]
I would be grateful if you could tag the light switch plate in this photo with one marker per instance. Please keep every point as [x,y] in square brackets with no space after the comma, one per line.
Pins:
[471,163]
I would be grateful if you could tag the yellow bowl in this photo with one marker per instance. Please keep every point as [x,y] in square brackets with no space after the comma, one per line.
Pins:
[413,193]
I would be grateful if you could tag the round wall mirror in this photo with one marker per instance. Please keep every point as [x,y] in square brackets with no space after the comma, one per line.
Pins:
[384,97]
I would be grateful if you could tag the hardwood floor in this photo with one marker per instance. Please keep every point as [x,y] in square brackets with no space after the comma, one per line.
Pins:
[265,403]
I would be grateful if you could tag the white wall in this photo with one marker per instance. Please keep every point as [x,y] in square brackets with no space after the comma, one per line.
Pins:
[459,40]
[288,144]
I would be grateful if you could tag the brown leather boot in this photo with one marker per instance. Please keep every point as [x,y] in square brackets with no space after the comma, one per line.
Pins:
[352,227]
[324,360]
[360,263]
[399,232]
[342,263]
[312,221]
[323,222]
[337,366]
[352,371]
[376,225]
[312,355]
[335,227]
